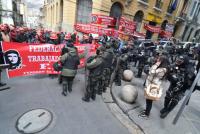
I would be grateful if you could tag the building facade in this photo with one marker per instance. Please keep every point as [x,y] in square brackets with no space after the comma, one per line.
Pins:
[192,21]
[6,11]
[63,14]
[11,12]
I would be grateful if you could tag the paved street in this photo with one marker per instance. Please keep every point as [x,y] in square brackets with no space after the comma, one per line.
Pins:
[70,114]
[188,123]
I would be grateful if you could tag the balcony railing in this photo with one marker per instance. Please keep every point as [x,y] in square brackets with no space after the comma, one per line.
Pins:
[143,2]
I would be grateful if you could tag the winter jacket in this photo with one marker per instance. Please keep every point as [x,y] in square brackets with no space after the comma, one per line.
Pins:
[155,76]
[70,62]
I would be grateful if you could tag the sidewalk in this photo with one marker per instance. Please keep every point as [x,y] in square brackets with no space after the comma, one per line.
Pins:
[188,122]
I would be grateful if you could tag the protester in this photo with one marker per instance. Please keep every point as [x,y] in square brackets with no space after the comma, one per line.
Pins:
[70,62]
[155,77]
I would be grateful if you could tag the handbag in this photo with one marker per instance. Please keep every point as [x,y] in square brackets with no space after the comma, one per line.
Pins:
[153,92]
[57,66]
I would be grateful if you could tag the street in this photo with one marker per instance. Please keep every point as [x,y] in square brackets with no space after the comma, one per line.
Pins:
[70,114]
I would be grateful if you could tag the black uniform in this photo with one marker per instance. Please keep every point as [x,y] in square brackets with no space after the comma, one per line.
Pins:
[181,78]
[142,61]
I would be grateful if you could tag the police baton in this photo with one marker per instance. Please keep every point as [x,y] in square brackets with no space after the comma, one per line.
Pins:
[186,98]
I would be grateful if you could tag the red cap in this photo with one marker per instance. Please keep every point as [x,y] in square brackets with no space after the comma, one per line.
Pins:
[68,36]
[54,36]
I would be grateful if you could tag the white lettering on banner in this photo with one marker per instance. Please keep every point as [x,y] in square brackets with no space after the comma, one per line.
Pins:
[42,58]
[45,48]
[43,66]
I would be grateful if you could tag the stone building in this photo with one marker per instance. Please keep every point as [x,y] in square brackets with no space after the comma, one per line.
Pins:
[63,14]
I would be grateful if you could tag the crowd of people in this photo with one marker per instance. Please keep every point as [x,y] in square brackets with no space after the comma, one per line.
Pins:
[10,33]
[113,55]
[178,68]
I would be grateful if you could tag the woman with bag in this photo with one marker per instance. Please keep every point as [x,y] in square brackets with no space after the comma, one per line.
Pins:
[153,89]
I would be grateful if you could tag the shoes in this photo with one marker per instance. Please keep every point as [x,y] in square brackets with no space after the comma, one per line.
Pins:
[137,76]
[85,99]
[2,84]
[163,115]
[143,115]
[64,93]
[70,90]
[163,110]
[93,98]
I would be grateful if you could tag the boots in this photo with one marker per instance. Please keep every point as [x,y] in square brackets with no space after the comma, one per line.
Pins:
[64,93]
[166,103]
[86,98]
[171,106]
[70,86]
[2,84]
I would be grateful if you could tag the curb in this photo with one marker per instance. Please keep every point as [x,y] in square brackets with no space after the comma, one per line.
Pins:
[124,119]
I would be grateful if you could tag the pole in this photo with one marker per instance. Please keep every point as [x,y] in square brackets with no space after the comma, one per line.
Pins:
[186,99]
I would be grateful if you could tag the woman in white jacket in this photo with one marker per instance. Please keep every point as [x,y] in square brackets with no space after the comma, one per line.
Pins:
[155,77]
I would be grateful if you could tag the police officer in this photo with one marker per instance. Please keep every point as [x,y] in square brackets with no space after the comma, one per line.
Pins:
[181,77]
[70,62]
[95,66]
[108,56]
[142,61]
[121,65]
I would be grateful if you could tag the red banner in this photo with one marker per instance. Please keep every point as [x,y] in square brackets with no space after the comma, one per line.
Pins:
[153,29]
[128,25]
[139,35]
[27,59]
[166,34]
[103,20]
[89,28]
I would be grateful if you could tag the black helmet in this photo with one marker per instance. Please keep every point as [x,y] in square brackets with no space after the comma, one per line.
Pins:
[108,45]
[124,49]
[182,60]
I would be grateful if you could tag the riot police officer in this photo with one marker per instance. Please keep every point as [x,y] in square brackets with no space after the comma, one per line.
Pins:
[181,77]
[95,66]
[142,61]
[121,65]
[108,56]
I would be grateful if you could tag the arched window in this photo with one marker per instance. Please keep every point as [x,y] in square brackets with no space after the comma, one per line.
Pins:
[184,33]
[84,10]
[138,19]
[190,34]
[116,10]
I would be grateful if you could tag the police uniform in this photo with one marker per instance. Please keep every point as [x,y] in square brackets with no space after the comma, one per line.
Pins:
[181,79]
[108,56]
[95,66]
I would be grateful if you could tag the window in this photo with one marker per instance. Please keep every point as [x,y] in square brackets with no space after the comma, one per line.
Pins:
[159,3]
[145,1]
[193,8]
[116,10]
[172,6]
[84,9]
